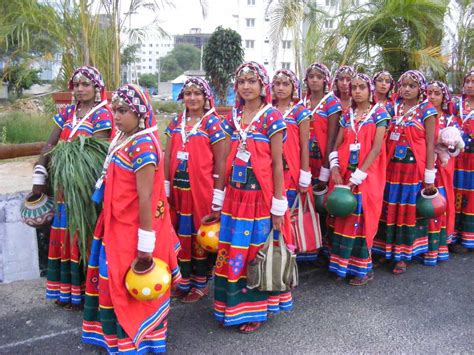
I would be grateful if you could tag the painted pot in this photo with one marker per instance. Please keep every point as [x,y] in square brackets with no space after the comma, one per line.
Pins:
[37,210]
[341,201]
[149,284]
[208,233]
[430,205]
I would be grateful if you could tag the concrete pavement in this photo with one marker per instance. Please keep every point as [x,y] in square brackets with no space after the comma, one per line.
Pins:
[427,310]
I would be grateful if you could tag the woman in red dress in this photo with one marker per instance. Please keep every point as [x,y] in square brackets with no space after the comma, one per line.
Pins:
[359,162]
[194,173]
[342,81]
[384,86]
[134,227]
[89,116]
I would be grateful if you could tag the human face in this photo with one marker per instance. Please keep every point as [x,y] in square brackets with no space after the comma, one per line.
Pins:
[343,83]
[282,88]
[248,86]
[382,84]
[410,90]
[315,81]
[194,99]
[435,95]
[84,90]
[125,119]
[469,86]
[360,91]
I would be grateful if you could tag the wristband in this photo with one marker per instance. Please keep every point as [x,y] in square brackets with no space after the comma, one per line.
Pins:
[324,174]
[279,207]
[430,176]
[358,176]
[333,160]
[39,179]
[218,199]
[146,241]
[167,188]
[305,178]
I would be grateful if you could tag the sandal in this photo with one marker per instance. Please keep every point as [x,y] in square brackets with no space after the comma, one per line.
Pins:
[378,261]
[400,268]
[251,327]
[178,293]
[457,249]
[361,281]
[195,295]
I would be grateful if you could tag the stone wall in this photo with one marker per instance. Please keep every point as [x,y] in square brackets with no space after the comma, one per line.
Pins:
[18,243]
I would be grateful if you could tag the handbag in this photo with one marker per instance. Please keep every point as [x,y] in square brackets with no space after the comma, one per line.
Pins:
[274,267]
[305,226]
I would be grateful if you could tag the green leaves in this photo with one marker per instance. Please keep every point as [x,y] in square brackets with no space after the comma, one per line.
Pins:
[75,167]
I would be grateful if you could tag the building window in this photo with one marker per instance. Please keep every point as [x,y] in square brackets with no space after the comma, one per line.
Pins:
[328,23]
[266,40]
[286,44]
[285,65]
[251,2]
[331,2]
[151,44]
[356,2]
[149,59]
[149,67]
[139,67]
[250,22]
[267,18]
[265,63]
[143,60]
[249,43]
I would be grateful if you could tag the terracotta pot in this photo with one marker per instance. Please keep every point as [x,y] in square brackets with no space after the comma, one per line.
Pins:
[8,151]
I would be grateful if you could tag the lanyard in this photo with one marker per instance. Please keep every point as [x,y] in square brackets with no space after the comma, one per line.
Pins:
[243,132]
[351,115]
[76,125]
[409,112]
[320,102]
[114,148]
[185,136]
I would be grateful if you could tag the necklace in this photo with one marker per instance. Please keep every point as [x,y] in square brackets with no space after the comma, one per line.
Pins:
[247,114]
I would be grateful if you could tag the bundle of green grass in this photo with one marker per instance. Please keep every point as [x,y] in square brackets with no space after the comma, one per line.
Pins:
[74,169]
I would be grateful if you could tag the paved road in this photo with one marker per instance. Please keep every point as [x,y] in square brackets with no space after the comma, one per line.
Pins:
[427,310]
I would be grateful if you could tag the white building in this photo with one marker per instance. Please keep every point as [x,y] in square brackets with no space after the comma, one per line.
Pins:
[149,54]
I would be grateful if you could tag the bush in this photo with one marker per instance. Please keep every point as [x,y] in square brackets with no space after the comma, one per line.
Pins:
[168,106]
[17,127]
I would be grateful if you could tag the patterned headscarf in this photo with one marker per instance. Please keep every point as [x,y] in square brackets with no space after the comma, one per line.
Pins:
[342,70]
[419,78]
[324,71]
[261,73]
[290,75]
[370,85]
[93,75]
[137,101]
[392,81]
[471,72]
[202,85]
[446,103]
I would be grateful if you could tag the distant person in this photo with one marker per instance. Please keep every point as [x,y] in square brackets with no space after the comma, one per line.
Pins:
[194,173]
[358,161]
[410,155]
[87,115]
[384,87]
[463,176]
[254,202]
[134,227]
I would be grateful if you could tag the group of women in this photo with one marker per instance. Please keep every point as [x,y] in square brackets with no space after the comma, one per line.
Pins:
[378,137]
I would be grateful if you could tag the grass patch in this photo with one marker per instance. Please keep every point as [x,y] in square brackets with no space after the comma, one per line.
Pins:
[18,127]
[167,106]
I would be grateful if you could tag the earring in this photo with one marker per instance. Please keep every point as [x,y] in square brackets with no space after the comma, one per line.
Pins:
[263,92]
[141,123]
[98,97]
[207,105]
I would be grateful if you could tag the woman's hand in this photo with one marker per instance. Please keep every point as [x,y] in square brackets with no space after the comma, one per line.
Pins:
[143,261]
[38,189]
[277,222]
[336,176]
[302,189]
[430,189]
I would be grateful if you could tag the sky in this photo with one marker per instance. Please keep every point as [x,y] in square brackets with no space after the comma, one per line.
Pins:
[187,14]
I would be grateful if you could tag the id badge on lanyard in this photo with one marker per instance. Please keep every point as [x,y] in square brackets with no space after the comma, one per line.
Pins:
[354,153]
[183,160]
[239,167]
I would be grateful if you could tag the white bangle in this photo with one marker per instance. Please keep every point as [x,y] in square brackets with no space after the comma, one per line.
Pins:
[333,159]
[39,179]
[358,177]
[146,241]
[324,174]
[167,188]
[279,207]
[430,176]
[333,155]
[41,170]
[218,197]
[305,178]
